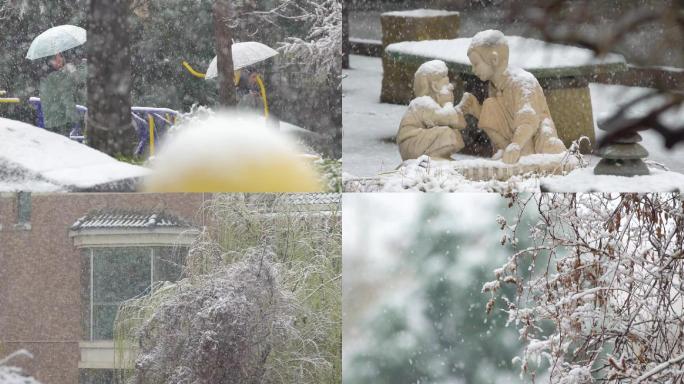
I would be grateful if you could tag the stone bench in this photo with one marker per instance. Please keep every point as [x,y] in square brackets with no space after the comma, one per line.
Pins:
[564,73]
[416,25]
[419,24]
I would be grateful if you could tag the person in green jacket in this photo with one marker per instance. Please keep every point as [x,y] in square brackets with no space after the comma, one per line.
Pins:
[60,91]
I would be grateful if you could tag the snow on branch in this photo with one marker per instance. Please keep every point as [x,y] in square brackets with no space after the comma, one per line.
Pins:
[605,272]
[321,49]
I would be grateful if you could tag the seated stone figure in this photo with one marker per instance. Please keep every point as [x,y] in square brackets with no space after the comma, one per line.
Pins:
[431,124]
[515,115]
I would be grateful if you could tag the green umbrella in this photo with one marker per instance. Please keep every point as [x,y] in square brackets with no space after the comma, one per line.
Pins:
[55,40]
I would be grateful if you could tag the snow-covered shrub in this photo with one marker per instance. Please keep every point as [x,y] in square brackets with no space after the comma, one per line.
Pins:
[331,173]
[600,293]
[14,375]
[217,328]
[308,243]
[260,303]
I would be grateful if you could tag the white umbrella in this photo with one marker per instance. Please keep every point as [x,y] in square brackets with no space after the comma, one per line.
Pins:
[244,54]
[55,40]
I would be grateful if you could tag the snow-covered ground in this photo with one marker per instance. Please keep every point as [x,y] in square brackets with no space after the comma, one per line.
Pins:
[37,160]
[370,126]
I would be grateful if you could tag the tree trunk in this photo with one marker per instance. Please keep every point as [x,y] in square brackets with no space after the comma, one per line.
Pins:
[109,124]
[345,34]
[224,42]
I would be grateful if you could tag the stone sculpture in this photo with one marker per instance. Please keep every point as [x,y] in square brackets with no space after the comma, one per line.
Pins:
[432,123]
[515,114]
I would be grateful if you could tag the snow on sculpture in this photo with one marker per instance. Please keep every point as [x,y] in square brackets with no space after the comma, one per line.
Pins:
[515,116]
[431,124]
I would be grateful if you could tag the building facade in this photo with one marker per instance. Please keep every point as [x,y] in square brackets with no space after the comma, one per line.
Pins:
[64,269]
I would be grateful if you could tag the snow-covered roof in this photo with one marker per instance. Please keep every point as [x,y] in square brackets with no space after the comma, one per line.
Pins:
[296,202]
[37,160]
[312,199]
[539,57]
[128,220]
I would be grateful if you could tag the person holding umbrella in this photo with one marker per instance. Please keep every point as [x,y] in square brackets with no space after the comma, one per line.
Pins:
[250,88]
[247,88]
[64,85]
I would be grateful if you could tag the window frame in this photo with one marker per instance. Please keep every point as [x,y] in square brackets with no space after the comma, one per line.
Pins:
[99,354]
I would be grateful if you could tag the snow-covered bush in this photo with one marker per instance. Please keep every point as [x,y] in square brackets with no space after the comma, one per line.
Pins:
[308,244]
[260,303]
[600,293]
[331,174]
[14,375]
[216,328]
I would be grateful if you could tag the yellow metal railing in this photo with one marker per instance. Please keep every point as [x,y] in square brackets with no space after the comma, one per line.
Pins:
[8,100]
[150,119]
[263,94]
[192,70]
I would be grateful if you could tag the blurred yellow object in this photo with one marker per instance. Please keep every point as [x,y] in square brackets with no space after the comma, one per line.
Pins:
[230,153]
[278,175]
[10,100]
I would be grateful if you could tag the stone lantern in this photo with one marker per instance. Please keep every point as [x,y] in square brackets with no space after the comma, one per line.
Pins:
[623,155]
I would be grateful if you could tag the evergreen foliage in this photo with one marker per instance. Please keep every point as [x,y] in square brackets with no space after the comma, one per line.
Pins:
[440,333]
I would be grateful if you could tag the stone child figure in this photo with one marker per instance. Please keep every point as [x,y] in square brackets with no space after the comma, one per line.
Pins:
[431,124]
[515,115]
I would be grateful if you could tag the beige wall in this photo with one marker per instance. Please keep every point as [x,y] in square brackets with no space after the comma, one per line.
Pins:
[40,275]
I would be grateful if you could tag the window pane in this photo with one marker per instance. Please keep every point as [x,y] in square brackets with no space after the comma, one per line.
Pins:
[118,274]
[103,321]
[85,294]
[168,263]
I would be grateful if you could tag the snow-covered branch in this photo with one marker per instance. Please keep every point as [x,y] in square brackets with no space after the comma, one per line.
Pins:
[320,50]
[601,271]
